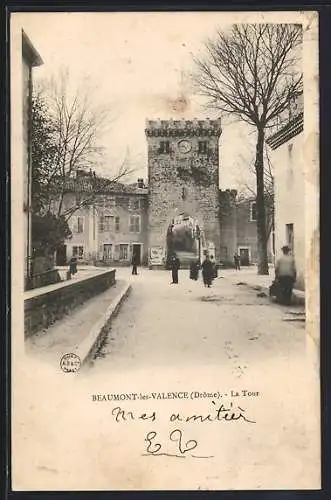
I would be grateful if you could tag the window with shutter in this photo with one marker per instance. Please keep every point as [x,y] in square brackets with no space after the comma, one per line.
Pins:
[124,252]
[134,223]
[76,223]
[107,251]
[78,252]
[164,147]
[203,147]
[80,224]
[108,223]
[253,212]
[101,224]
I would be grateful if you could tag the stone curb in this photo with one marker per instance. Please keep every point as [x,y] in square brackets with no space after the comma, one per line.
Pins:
[92,342]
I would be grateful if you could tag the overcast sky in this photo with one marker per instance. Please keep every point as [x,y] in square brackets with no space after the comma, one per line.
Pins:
[137,64]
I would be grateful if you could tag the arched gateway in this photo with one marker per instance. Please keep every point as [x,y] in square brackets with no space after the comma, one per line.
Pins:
[184,238]
[183,171]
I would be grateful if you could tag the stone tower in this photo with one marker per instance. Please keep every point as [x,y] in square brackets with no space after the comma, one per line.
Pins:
[183,175]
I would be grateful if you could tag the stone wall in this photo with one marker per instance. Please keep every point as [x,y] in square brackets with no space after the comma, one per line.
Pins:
[43,308]
[183,181]
[48,277]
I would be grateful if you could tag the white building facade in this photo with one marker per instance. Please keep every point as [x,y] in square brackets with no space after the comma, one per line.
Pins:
[289,174]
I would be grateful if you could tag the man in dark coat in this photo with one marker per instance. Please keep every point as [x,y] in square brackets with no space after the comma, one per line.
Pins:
[134,262]
[194,270]
[207,271]
[175,265]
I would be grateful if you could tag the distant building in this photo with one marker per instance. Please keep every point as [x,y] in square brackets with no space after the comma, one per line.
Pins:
[239,228]
[287,147]
[30,59]
[112,228]
[228,225]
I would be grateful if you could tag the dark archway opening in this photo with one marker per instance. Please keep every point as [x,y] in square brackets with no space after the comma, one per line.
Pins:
[183,239]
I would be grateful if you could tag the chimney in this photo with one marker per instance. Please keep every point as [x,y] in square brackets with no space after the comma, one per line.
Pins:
[140,183]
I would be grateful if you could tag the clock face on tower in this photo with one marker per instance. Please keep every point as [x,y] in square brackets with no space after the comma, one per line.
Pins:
[184,146]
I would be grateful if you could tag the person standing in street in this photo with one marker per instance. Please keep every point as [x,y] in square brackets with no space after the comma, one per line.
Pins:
[207,271]
[214,268]
[285,273]
[134,262]
[73,266]
[174,265]
[194,270]
[236,259]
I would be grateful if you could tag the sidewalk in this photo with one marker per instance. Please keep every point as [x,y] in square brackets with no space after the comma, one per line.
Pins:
[82,330]
[249,276]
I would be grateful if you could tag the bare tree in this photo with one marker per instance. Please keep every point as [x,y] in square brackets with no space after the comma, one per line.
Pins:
[252,72]
[74,126]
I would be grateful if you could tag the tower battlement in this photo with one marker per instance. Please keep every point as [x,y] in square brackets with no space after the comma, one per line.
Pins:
[182,128]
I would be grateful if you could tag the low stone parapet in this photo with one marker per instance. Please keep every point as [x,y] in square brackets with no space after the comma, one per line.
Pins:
[48,277]
[43,307]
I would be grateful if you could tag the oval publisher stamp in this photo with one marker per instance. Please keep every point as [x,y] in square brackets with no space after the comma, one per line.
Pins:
[70,363]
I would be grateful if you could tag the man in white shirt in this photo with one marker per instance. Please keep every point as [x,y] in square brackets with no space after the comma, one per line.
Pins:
[286,275]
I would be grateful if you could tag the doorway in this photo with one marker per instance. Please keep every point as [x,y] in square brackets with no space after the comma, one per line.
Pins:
[136,251]
[244,256]
[61,255]
[290,237]
[107,252]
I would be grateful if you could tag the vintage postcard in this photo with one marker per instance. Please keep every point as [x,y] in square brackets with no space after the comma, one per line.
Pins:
[165,251]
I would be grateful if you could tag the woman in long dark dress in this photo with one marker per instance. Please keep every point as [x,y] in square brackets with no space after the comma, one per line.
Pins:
[207,271]
[194,270]
[214,271]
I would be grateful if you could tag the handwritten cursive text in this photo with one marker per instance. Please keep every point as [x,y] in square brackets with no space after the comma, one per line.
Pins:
[219,413]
